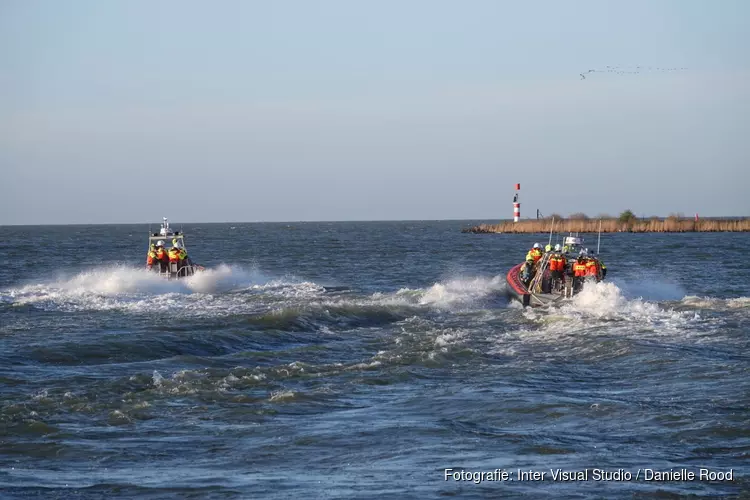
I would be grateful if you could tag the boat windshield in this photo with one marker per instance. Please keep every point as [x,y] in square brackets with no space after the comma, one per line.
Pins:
[573,244]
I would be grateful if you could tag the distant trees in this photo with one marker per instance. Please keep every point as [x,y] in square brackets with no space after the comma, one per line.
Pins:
[578,216]
[627,217]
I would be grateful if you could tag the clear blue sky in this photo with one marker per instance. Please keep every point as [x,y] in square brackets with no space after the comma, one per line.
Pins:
[127,111]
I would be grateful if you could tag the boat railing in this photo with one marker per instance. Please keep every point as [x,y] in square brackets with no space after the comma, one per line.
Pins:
[536,283]
[186,271]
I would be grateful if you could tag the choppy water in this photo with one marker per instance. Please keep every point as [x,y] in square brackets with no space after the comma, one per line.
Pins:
[360,360]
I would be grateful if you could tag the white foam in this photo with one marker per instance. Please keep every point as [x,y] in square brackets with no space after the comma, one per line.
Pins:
[461,290]
[138,290]
[717,304]
[606,301]
[112,281]
[739,302]
[282,395]
[599,309]
[449,338]
[224,278]
[442,295]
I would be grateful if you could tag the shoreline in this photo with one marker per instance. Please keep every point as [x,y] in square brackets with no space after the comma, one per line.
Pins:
[654,225]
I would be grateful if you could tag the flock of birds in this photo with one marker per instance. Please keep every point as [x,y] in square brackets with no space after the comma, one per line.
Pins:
[631,70]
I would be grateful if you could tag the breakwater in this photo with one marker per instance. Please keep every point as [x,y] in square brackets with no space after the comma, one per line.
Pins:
[653,225]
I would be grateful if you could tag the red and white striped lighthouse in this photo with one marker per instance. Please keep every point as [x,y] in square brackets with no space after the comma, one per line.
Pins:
[517,205]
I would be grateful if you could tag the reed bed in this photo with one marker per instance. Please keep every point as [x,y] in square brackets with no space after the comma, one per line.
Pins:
[654,225]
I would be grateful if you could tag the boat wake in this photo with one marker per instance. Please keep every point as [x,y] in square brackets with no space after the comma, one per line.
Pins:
[604,315]
[227,290]
[131,289]
[456,292]
[121,280]
[607,301]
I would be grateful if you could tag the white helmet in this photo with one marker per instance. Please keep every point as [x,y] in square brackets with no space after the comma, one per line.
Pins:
[537,245]
[558,248]
[160,243]
[178,244]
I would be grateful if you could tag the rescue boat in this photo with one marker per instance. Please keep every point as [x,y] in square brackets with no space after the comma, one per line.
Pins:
[170,238]
[540,290]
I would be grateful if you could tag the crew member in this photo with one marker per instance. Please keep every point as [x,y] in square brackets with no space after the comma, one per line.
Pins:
[535,253]
[557,265]
[150,256]
[177,254]
[527,272]
[592,267]
[579,271]
[183,252]
[157,255]
[601,269]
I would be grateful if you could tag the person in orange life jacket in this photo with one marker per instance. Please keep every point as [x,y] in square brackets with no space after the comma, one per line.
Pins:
[535,253]
[157,255]
[557,265]
[593,265]
[150,256]
[177,253]
[592,268]
[532,257]
[579,271]
[601,268]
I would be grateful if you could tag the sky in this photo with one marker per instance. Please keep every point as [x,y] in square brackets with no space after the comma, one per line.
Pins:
[128,111]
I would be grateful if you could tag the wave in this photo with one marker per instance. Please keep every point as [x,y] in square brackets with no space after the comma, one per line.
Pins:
[715,303]
[604,309]
[229,290]
[111,281]
[454,292]
[605,300]
[138,290]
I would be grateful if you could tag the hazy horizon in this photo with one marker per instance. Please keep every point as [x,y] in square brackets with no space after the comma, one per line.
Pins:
[177,223]
[112,112]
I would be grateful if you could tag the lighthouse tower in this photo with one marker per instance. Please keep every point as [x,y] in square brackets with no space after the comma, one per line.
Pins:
[516,205]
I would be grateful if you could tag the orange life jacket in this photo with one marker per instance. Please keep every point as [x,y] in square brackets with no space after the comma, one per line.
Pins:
[579,269]
[591,268]
[557,263]
[175,255]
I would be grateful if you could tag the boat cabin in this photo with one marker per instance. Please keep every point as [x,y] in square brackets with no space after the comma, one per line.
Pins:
[572,245]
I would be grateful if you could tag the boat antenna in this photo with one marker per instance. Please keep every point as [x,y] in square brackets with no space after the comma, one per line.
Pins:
[550,230]
[599,240]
